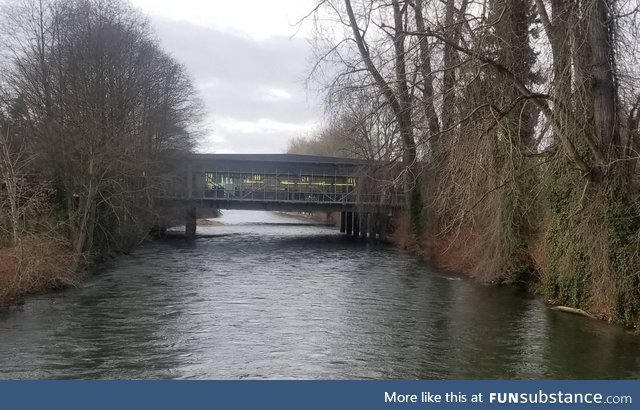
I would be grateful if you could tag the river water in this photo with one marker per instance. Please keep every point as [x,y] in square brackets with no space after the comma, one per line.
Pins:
[267,296]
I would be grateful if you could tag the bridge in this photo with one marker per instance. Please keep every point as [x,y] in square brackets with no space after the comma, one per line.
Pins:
[280,182]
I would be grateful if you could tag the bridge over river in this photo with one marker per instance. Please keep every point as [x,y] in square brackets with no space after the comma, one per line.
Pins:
[283,182]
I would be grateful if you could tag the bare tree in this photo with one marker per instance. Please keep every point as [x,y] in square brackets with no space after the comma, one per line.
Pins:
[533,154]
[13,172]
[103,103]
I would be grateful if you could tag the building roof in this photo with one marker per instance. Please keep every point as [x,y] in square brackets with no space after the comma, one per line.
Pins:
[288,158]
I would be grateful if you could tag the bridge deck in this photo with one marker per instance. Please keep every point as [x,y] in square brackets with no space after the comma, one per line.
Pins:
[278,182]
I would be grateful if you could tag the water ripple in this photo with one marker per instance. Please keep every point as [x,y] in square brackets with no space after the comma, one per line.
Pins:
[260,299]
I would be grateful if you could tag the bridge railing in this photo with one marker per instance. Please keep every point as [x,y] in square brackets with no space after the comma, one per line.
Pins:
[350,198]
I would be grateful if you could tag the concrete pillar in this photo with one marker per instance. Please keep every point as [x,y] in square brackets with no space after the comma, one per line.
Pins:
[384,220]
[197,177]
[361,225]
[349,223]
[374,227]
[343,222]
[368,230]
[190,223]
[378,227]
[356,224]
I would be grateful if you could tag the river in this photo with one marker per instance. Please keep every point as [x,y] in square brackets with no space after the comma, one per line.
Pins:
[267,296]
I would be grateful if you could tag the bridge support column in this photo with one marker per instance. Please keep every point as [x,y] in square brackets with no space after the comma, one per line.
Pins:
[343,222]
[190,223]
[349,223]
[375,227]
[378,227]
[356,224]
[367,233]
[384,220]
[362,225]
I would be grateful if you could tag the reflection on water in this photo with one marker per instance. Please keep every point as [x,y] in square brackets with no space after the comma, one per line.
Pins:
[258,298]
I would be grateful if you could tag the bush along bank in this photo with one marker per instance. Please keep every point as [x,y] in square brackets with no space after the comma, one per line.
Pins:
[36,265]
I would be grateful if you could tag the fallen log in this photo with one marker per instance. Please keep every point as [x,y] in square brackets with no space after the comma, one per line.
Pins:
[575,311]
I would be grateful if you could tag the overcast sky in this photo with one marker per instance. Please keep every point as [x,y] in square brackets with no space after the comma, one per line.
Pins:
[247,65]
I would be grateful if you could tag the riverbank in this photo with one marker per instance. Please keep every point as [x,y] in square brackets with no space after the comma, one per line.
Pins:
[35,266]
[459,252]
[44,264]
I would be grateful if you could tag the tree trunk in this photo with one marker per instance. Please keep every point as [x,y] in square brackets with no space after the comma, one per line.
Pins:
[451,62]
[400,103]
[427,82]
[602,77]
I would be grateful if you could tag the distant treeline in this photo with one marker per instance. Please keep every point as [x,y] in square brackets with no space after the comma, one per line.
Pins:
[89,103]
[516,122]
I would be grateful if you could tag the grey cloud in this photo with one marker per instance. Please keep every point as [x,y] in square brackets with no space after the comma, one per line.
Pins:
[253,143]
[212,52]
[246,101]
[234,72]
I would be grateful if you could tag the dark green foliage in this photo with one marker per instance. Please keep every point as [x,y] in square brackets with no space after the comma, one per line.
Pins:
[565,280]
[623,221]
[593,245]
